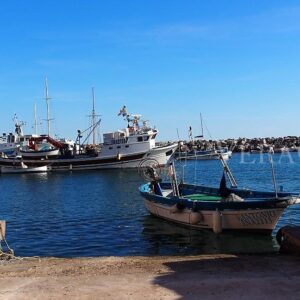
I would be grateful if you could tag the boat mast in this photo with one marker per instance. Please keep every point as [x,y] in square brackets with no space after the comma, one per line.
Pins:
[47,98]
[35,120]
[94,117]
[174,180]
[202,135]
[227,171]
[271,152]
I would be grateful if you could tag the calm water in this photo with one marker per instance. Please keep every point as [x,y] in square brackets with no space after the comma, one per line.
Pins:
[101,213]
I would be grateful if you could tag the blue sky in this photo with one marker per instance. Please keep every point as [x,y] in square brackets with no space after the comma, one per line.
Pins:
[236,62]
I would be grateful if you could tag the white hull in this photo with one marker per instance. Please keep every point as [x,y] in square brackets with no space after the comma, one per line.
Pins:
[16,170]
[161,154]
[250,219]
[158,154]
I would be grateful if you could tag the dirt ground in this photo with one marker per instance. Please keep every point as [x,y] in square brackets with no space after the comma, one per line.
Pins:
[190,277]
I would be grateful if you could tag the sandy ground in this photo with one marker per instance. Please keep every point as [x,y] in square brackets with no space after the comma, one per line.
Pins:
[192,277]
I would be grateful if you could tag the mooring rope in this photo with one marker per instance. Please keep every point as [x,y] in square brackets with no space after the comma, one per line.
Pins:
[5,255]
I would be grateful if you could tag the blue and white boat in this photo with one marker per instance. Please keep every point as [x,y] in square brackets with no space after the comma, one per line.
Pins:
[217,209]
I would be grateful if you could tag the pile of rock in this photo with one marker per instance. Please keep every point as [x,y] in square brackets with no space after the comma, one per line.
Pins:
[254,145]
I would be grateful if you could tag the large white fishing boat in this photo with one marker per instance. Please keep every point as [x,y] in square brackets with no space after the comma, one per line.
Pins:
[124,148]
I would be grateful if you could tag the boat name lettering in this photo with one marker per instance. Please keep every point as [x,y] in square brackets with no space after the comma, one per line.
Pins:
[259,218]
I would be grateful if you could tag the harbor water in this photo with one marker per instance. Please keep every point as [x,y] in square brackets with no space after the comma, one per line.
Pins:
[100,213]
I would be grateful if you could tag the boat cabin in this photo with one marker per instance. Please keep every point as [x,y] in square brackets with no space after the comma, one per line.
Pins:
[128,140]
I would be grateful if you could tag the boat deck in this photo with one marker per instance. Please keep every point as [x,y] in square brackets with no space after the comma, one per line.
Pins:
[202,197]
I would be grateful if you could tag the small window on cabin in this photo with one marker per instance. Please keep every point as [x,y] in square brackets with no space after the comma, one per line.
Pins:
[126,146]
[153,136]
[140,139]
[119,147]
[168,153]
[146,138]
[110,148]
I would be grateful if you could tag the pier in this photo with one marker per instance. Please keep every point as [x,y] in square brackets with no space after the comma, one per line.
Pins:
[162,277]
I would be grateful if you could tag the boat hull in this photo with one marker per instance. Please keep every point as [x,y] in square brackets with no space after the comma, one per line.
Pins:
[204,208]
[17,170]
[162,154]
[259,220]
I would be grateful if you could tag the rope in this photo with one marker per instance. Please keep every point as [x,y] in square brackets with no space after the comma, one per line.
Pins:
[5,255]
[9,254]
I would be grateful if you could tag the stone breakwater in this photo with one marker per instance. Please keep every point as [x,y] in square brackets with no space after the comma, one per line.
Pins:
[254,145]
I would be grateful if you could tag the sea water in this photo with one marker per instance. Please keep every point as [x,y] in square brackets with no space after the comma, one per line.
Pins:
[101,213]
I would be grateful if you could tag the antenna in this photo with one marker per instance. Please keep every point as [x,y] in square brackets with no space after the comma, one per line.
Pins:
[47,98]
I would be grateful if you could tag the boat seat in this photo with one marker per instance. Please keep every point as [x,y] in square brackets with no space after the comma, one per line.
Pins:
[202,197]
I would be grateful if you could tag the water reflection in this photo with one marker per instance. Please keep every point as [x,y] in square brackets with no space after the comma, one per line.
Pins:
[162,236]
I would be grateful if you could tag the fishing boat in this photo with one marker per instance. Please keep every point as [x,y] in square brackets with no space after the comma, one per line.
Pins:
[217,209]
[124,148]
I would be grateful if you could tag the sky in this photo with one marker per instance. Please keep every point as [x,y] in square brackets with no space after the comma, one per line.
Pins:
[235,62]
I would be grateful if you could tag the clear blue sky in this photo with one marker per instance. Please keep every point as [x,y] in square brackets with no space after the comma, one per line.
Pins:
[236,62]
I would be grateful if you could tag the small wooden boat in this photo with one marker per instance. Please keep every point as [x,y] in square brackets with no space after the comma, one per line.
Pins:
[217,209]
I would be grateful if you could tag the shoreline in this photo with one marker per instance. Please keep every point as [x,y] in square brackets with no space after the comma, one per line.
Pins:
[155,277]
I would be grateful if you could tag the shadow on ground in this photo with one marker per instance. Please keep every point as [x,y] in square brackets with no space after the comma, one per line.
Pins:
[233,277]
